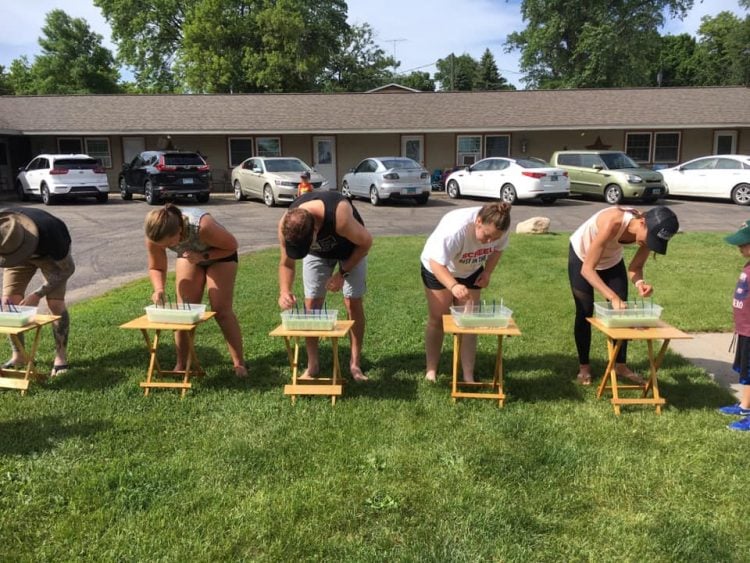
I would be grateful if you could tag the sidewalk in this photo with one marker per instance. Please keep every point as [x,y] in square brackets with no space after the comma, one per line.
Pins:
[710,351]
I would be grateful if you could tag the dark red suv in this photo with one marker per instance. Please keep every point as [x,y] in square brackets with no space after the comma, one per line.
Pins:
[166,175]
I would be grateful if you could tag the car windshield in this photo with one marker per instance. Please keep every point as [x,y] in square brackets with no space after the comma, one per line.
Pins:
[183,159]
[77,163]
[285,165]
[617,161]
[392,163]
[527,163]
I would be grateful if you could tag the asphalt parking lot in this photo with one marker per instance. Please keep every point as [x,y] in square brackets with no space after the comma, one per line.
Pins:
[108,238]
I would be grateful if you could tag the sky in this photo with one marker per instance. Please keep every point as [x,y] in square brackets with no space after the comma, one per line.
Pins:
[416,32]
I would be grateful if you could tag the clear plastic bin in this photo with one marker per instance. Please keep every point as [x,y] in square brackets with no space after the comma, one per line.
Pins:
[311,319]
[638,314]
[176,313]
[481,315]
[20,315]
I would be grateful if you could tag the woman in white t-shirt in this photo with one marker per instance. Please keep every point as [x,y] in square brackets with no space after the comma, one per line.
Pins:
[457,262]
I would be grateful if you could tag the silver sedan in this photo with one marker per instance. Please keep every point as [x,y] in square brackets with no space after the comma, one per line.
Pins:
[387,177]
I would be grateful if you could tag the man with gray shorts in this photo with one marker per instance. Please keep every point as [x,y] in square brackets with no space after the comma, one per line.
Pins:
[31,240]
[325,230]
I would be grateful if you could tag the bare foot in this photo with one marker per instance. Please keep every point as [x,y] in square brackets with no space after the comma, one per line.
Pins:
[431,376]
[630,375]
[469,379]
[584,378]
[307,374]
[357,374]
[240,371]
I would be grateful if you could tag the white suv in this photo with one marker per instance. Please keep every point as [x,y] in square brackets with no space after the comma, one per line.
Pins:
[57,176]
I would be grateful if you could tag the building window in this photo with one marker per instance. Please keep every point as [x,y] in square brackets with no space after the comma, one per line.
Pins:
[268,146]
[98,147]
[469,149]
[240,149]
[69,145]
[638,146]
[496,145]
[666,147]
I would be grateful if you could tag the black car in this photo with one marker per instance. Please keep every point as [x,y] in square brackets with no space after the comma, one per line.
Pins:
[164,175]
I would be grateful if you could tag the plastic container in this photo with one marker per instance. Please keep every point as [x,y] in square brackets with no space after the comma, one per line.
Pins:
[21,315]
[312,319]
[176,313]
[638,314]
[481,315]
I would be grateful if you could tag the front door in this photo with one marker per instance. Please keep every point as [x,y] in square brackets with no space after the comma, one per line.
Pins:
[6,174]
[412,146]
[324,159]
[725,142]
[132,147]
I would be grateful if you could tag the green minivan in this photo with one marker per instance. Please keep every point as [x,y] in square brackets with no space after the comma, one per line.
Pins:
[610,174]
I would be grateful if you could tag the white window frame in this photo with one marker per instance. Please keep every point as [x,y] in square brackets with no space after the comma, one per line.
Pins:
[655,142]
[725,133]
[506,135]
[79,139]
[258,141]
[106,160]
[461,156]
[650,145]
[229,150]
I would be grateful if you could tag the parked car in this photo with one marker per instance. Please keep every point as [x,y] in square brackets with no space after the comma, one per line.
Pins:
[387,177]
[610,174]
[723,176]
[274,179]
[509,179]
[169,174]
[58,176]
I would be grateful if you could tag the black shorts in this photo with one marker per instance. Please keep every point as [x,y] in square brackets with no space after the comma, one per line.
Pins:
[431,282]
[231,258]
[742,359]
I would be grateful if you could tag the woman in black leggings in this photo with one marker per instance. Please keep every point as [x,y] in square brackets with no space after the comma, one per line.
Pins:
[595,262]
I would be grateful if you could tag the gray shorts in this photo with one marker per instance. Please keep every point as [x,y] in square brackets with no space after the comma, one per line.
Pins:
[317,271]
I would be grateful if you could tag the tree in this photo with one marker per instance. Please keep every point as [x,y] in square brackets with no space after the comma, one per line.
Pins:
[418,80]
[360,65]
[591,43]
[677,64]
[20,77]
[488,77]
[456,73]
[723,53]
[6,87]
[227,45]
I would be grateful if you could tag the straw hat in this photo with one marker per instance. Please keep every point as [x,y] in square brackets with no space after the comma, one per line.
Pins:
[18,238]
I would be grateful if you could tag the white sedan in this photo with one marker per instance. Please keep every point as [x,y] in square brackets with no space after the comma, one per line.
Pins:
[724,176]
[509,180]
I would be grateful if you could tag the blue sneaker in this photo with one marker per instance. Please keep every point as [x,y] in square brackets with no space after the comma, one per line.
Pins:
[735,410]
[742,425]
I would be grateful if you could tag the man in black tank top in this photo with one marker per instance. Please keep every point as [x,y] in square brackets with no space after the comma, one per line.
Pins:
[31,240]
[325,231]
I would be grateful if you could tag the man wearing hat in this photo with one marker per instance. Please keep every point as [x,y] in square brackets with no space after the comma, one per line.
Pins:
[31,240]
[325,231]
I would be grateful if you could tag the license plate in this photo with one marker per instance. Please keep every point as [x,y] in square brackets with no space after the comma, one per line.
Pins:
[553,178]
[187,180]
[656,191]
[411,190]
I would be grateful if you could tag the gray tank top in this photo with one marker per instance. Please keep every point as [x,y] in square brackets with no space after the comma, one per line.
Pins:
[192,242]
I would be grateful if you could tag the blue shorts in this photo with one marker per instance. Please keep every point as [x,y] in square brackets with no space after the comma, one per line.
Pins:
[317,271]
[742,359]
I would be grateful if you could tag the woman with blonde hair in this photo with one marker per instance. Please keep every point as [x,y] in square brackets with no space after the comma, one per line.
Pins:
[206,259]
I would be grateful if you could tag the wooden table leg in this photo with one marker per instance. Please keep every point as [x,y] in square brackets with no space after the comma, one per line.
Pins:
[654,364]
[153,362]
[336,376]
[613,348]
[497,380]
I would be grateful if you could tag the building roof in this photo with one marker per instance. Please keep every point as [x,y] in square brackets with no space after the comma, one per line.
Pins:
[423,112]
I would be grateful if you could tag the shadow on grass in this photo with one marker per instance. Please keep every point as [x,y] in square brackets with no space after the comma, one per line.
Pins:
[34,435]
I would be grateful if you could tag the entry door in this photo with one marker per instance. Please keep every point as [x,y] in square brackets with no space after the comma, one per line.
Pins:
[412,146]
[6,174]
[131,147]
[324,159]
[725,142]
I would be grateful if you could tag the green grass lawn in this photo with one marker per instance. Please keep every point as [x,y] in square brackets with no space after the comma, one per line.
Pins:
[90,469]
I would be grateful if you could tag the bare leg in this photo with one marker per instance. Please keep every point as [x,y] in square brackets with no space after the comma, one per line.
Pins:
[190,282]
[438,304]
[220,282]
[15,358]
[60,330]
[469,346]
[356,311]
[584,374]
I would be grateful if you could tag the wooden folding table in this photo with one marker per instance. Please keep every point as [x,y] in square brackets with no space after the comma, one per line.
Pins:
[334,385]
[192,367]
[496,385]
[615,339]
[16,378]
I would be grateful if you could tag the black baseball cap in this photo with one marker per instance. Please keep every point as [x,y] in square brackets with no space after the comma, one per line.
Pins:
[662,225]
[298,249]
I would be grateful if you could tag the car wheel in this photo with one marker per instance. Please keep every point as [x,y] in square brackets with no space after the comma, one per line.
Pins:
[47,198]
[148,191]
[548,200]
[345,190]
[374,197]
[22,195]
[238,195]
[613,194]
[508,194]
[453,190]
[741,194]
[268,198]
[202,198]
[102,198]
[423,199]
[124,192]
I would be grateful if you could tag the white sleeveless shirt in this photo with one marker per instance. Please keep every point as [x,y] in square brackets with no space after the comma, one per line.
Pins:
[584,235]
